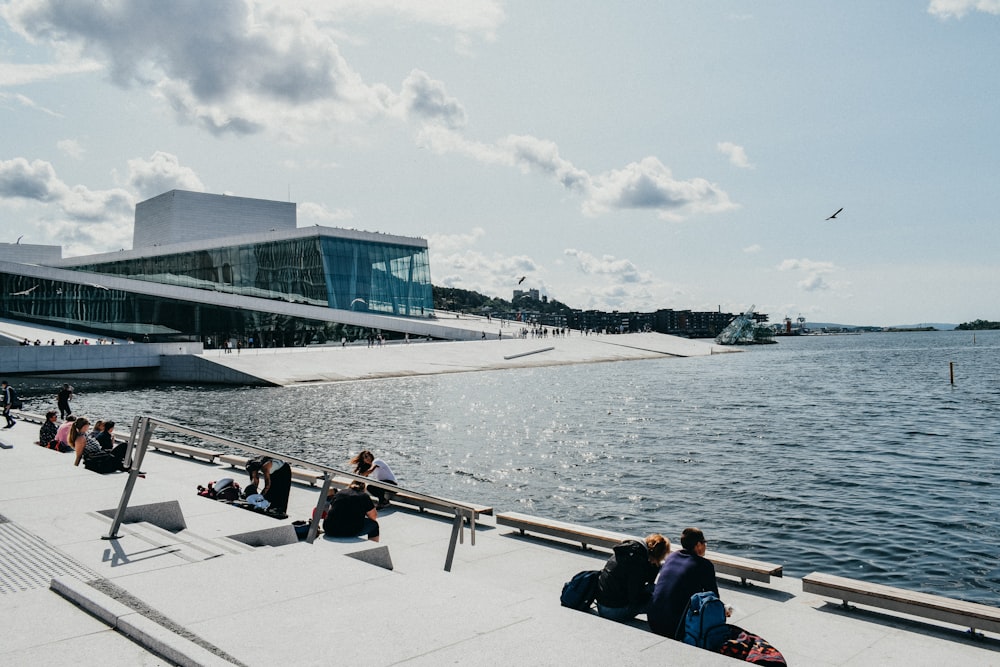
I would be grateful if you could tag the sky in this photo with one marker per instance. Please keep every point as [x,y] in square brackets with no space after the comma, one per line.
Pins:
[628,155]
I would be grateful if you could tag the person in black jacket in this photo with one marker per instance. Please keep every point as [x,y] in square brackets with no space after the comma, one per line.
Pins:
[625,586]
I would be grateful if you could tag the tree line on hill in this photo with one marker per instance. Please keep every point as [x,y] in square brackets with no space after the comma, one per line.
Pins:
[978,325]
[466,301]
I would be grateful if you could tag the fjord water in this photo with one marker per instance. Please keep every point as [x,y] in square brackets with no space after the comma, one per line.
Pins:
[851,455]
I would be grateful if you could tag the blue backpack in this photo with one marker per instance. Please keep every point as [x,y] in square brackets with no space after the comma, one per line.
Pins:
[580,592]
[705,621]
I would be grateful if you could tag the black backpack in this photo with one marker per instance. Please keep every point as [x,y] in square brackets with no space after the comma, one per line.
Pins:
[580,592]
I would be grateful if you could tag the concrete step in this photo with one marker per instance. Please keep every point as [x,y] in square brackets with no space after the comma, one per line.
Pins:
[184,544]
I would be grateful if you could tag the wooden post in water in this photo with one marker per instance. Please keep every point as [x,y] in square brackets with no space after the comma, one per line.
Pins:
[951,371]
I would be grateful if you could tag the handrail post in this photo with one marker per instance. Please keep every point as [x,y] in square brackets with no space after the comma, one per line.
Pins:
[456,531]
[318,512]
[146,429]
[130,448]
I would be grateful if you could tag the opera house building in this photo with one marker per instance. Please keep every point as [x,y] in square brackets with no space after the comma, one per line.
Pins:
[207,268]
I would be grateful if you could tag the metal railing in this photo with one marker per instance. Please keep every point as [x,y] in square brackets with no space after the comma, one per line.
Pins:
[142,431]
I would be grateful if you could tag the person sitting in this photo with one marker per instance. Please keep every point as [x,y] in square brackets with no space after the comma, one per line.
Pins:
[352,513]
[366,464]
[106,436]
[96,429]
[47,434]
[682,574]
[106,439]
[277,480]
[62,434]
[88,449]
[625,586]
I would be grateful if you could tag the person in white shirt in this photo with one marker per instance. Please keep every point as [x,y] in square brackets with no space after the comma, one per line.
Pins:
[366,464]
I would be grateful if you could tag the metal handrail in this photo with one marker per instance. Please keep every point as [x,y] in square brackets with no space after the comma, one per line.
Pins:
[142,431]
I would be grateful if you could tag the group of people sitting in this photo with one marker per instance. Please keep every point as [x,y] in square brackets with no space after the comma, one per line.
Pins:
[350,512]
[644,577]
[94,445]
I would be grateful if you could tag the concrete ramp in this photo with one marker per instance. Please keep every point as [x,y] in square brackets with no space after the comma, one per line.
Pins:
[289,366]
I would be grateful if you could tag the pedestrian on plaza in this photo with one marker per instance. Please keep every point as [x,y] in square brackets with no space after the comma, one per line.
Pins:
[63,398]
[10,402]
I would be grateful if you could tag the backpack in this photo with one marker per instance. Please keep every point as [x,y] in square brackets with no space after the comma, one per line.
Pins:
[102,463]
[227,489]
[705,621]
[580,592]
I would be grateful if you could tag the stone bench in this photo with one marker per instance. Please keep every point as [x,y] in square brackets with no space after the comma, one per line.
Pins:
[732,566]
[925,605]
[184,450]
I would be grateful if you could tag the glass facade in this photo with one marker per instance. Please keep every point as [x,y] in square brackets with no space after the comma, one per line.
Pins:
[350,274]
[119,314]
[319,270]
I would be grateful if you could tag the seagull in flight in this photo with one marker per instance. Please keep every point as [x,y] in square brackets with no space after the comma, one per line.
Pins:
[521,280]
[25,292]
[832,217]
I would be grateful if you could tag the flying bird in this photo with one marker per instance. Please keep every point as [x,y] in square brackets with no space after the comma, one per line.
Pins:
[521,280]
[25,292]
[836,214]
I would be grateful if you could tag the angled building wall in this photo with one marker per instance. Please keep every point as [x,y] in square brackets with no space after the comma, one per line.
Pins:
[179,216]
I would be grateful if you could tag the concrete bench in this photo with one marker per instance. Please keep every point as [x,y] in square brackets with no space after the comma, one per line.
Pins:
[310,477]
[442,505]
[184,450]
[925,605]
[404,498]
[732,566]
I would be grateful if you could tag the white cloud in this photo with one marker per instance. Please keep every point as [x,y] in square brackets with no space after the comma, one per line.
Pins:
[736,154]
[242,67]
[647,184]
[468,18]
[312,213]
[958,8]
[608,266]
[752,249]
[71,147]
[814,273]
[27,102]
[89,219]
[230,66]
[457,263]
[428,100]
[161,173]
[19,74]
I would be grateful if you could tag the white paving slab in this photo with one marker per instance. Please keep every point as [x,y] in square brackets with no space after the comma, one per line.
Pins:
[311,604]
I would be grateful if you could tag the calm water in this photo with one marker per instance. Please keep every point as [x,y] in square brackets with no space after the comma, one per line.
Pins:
[851,455]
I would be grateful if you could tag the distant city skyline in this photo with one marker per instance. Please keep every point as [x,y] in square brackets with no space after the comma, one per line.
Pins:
[617,156]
